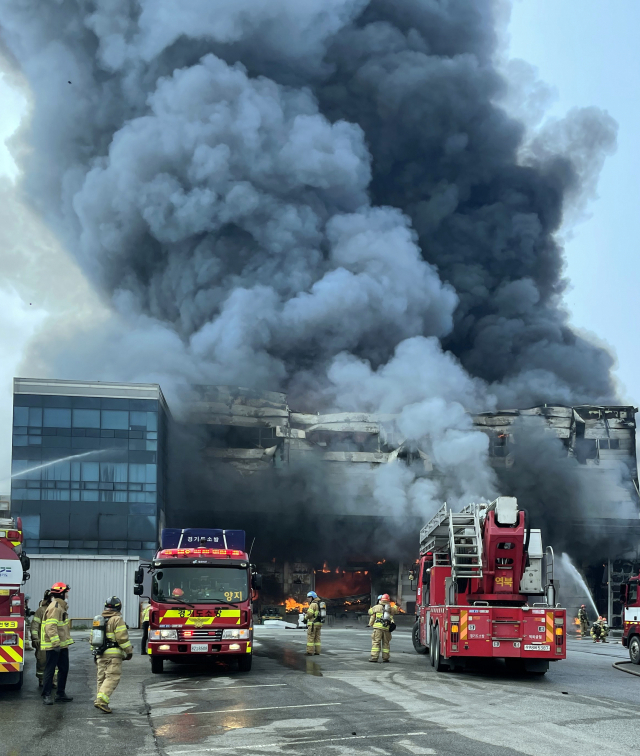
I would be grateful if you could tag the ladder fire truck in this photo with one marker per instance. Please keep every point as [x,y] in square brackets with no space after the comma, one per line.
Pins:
[478,568]
[14,564]
[630,598]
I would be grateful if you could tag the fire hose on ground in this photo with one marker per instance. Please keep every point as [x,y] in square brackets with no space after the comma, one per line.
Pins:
[616,665]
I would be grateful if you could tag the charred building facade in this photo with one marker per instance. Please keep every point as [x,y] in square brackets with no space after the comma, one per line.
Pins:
[250,431]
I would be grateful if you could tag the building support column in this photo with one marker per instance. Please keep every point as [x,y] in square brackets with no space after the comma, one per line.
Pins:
[609,594]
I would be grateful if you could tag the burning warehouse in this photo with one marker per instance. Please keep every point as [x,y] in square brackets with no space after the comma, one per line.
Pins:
[308,486]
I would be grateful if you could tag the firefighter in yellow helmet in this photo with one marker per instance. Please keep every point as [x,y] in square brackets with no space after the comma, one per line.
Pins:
[55,639]
[314,624]
[382,614]
[118,648]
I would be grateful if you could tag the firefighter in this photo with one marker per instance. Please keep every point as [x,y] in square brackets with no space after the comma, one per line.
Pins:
[600,630]
[36,629]
[314,624]
[382,614]
[583,618]
[55,639]
[145,629]
[118,648]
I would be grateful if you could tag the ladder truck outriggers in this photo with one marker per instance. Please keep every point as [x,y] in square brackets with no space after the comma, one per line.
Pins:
[477,571]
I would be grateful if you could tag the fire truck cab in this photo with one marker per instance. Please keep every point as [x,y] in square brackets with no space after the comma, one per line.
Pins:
[14,564]
[202,589]
[630,598]
[477,570]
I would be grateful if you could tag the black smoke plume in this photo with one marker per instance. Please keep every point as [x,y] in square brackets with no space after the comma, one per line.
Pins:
[322,197]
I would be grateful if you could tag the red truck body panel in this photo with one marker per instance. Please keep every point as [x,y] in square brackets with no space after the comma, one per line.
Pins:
[12,608]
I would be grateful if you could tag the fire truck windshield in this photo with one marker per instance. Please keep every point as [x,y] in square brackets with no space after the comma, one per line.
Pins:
[200,585]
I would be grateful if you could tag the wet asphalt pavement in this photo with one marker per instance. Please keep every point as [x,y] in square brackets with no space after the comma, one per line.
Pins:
[337,703]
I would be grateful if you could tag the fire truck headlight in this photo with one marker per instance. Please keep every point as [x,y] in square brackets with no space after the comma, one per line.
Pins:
[156,635]
[235,634]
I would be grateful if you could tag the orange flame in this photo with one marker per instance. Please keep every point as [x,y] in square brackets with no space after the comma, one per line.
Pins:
[398,607]
[576,621]
[291,605]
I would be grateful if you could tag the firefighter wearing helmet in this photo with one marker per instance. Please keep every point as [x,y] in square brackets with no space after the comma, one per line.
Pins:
[382,614]
[314,624]
[55,639]
[118,647]
[600,630]
[583,619]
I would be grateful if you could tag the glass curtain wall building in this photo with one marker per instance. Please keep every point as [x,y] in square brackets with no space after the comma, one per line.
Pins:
[89,466]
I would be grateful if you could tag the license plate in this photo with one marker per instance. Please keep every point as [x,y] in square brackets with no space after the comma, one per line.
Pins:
[537,648]
[199,648]
[6,625]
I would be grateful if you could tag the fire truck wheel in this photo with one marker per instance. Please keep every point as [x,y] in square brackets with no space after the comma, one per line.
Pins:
[634,649]
[431,647]
[18,677]
[244,662]
[420,649]
[156,665]
[438,663]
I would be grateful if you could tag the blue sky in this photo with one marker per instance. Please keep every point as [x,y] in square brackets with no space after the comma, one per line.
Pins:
[586,49]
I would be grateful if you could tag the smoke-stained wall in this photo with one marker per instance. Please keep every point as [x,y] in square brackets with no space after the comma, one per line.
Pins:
[324,198]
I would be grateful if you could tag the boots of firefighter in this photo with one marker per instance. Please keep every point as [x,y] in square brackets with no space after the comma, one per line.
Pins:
[102,706]
[62,697]
[47,700]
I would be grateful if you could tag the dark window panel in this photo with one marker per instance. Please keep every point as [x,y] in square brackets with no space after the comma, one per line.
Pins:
[64,431]
[33,484]
[148,544]
[143,404]
[119,544]
[84,526]
[50,431]
[91,485]
[137,445]
[56,401]
[31,526]
[33,440]
[93,432]
[132,433]
[20,440]
[105,486]
[77,442]
[34,431]
[75,495]
[78,432]
[107,434]
[114,404]
[27,400]
[61,544]
[121,486]
[58,442]
[142,528]
[152,445]
[114,443]
[85,402]
[112,527]
[89,495]
[152,421]
[114,472]
[142,457]
[134,545]
[21,430]
[122,434]
[142,509]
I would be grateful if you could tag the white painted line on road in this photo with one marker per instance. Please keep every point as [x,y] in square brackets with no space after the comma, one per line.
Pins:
[242,711]
[229,687]
[297,742]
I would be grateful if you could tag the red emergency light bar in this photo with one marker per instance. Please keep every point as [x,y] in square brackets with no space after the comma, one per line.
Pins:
[201,552]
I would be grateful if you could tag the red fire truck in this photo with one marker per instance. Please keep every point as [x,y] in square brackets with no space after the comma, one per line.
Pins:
[14,564]
[478,569]
[202,587]
[630,598]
